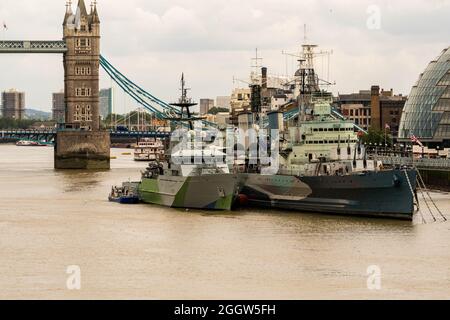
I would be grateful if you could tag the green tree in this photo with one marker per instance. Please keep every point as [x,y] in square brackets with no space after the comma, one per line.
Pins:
[377,137]
[8,123]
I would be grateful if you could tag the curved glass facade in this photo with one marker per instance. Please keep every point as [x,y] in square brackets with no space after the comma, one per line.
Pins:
[427,111]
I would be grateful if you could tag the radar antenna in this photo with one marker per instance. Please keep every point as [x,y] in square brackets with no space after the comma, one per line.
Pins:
[185,103]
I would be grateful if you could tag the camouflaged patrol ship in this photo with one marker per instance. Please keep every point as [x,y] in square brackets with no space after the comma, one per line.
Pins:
[189,186]
[180,181]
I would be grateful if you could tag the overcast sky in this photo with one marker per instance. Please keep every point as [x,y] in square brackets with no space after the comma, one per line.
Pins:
[212,41]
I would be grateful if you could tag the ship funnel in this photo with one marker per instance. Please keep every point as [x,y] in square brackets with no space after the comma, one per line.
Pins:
[276,121]
[264,78]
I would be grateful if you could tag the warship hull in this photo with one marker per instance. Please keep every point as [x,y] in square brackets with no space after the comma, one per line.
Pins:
[385,194]
[210,192]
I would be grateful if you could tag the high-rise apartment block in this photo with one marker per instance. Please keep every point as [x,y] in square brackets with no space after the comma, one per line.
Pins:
[58,107]
[13,104]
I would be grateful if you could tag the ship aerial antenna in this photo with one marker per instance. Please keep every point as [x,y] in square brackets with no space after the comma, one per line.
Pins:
[255,66]
[183,89]
[185,103]
[256,59]
[305,37]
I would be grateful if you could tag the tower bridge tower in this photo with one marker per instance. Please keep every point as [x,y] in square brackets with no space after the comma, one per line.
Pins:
[81,143]
[81,67]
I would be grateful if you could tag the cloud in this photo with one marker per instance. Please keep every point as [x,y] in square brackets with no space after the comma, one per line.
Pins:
[212,41]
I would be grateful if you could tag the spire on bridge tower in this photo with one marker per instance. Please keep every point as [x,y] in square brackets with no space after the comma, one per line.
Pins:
[69,7]
[69,12]
[82,8]
[94,13]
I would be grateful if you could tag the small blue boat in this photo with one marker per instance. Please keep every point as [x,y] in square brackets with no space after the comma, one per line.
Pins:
[125,199]
[126,194]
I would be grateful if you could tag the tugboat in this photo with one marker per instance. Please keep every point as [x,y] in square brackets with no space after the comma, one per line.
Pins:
[189,184]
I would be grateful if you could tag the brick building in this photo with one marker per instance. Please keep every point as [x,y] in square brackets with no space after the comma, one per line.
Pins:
[373,108]
[58,107]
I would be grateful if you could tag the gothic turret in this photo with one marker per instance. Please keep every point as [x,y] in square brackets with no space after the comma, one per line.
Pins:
[94,15]
[69,12]
[82,8]
[81,19]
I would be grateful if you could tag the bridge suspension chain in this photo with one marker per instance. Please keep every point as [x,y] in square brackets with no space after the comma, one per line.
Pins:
[141,96]
[129,91]
[131,85]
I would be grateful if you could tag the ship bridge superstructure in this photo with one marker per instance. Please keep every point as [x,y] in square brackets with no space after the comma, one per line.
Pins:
[322,137]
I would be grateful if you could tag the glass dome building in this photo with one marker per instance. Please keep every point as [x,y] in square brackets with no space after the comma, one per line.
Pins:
[427,111]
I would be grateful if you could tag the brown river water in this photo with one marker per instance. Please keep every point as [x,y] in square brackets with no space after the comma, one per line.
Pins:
[50,220]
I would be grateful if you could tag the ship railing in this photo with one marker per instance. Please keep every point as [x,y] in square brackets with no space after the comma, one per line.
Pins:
[322,95]
[419,163]
[288,172]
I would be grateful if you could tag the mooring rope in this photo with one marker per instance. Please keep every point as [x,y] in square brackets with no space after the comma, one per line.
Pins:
[414,197]
[429,196]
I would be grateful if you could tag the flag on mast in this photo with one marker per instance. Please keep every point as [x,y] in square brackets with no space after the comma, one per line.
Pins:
[414,139]
[5,27]
[387,127]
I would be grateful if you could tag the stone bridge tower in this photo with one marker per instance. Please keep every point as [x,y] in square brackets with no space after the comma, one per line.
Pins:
[81,143]
[81,67]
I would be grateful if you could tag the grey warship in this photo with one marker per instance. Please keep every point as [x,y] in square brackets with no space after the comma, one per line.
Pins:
[323,167]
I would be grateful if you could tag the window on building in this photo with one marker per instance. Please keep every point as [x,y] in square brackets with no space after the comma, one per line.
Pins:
[446,93]
[83,42]
[83,71]
[83,92]
[84,114]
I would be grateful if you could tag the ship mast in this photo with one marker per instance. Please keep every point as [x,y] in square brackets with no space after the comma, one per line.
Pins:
[307,81]
[185,103]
